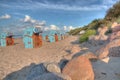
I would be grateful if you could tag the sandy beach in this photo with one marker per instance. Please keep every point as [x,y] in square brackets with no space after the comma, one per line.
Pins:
[15,58]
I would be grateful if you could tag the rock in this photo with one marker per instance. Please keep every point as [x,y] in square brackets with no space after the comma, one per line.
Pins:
[107,71]
[90,55]
[52,76]
[35,71]
[79,68]
[114,51]
[82,32]
[101,34]
[63,76]
[92,37]
[106,60]
[108,50]
[62,63]
[114,24]
[115,27]
[53,67]
[114,35]
[75,49]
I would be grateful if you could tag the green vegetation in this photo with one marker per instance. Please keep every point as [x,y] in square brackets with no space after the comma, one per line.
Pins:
[112,15]
[86,35]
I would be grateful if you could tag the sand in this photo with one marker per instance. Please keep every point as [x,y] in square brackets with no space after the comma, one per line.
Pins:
[16,61]
[16,58]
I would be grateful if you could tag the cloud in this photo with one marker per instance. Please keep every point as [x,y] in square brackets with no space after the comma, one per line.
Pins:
[68,28]
[46,28]
[109,2]
[69,5]
[29,19]
[51,27]
[54,27]
[71,28]
[65,28]
[6,16]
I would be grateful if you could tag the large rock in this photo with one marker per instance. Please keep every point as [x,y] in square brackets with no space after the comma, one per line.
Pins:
[108,69]
[89,55]
[35,71]
[52,76]
[62,63]
[109,49]
[114,35]
[102,35]
[114,24]
[79,68]
[75,49]
[53,67]
[115,27]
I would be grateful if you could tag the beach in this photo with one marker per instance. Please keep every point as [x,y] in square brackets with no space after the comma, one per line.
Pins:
[16,57]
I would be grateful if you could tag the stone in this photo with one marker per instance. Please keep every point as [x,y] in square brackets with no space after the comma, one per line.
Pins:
[109,49]
[79,68]
[35,71]
[114,35]
[75,49]
[107,70]
[115,27]
[53,67]
[62,63]
[114,24]
[52,76]
[106,60]
[90,55]
[101,34]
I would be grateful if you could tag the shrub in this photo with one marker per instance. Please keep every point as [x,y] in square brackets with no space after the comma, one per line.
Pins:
[86,35]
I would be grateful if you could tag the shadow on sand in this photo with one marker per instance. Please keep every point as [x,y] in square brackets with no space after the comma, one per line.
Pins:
[34,71]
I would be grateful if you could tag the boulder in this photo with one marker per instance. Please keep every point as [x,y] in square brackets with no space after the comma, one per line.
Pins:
[89,55]
[35,71]
[52,76]
[114,24]
[114,35]
[109,50]
[115,27]
[107,69]
[102,32]
[62,63]
[53,67]
[75,49]
[79,68]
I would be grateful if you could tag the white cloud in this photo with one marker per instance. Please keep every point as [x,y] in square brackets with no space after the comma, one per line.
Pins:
[54,27]
[108,2]
[33,5]
[6,16]
[29,19]
[71,28]
[35,23]
[46,28]
[65,28]
[68,28]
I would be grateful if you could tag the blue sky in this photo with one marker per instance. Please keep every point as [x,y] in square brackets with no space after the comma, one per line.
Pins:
[16,15]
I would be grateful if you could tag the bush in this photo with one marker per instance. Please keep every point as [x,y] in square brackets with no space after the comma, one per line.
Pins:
[85,36]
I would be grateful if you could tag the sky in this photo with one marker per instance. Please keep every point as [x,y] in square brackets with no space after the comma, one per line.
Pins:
[16,15]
